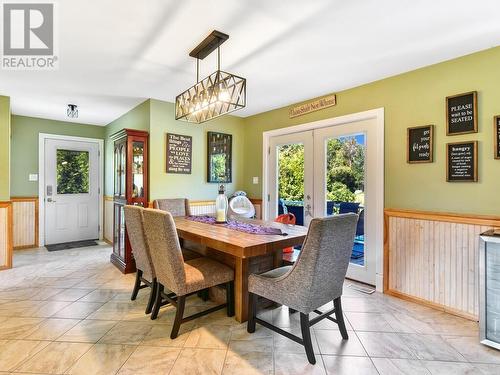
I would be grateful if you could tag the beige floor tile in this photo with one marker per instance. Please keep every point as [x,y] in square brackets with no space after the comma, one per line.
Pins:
[431,347]
[330,342]
[383,344]
[248,363]
[351,304]
[51,329]
[129,333]
[199,362]
[89,331]
[113,310]
[146,360]
[296,364]
[78,310]
[16,308]
[45,310]
[55,358]
[487,369]
[345,365]
[70,295]
[388,366]
[240,332]
[369,322]
[472,350]
[99,295]
[259,344]
[102,359]
[14,352]
[159,335]
[209,337]
[16,328]
[450,368]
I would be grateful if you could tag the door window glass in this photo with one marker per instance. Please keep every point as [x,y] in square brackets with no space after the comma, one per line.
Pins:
[291,180]
[72,172]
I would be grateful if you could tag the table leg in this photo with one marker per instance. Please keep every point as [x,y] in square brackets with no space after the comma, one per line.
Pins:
[241,289]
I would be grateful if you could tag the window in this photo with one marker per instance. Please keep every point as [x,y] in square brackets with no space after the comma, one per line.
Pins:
[72,172]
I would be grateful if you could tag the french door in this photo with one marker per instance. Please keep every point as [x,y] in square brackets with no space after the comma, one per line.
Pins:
[71,190]
[329,171]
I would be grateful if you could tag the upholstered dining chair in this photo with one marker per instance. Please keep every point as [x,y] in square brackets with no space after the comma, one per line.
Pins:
[181,278]
[145,274]
[316,278]
[176,206]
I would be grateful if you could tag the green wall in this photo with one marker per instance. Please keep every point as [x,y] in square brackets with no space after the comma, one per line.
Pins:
[412,99]
[24,147]
[137,118]
[194,185]
[5,129]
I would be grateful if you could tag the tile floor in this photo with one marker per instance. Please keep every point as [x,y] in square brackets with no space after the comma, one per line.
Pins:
[69,312]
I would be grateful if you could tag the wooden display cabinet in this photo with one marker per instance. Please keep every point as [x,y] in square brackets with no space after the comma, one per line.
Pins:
[130,187]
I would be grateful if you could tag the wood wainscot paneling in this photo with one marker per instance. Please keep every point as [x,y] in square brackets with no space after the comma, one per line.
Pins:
[257,203]
[432,258]
[25,222]
[108,219]
[5,235]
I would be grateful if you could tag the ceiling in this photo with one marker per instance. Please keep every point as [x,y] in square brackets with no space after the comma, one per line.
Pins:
[115,54]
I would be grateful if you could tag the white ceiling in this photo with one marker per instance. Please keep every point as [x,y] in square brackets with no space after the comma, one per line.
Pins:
[115,53]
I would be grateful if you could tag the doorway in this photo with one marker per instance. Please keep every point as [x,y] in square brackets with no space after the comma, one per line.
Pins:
[70,186]
[332,167]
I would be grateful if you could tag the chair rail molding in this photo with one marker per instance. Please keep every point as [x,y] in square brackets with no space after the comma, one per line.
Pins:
[432,258]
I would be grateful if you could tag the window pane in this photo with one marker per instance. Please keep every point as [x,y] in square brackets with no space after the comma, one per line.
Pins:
[72,172]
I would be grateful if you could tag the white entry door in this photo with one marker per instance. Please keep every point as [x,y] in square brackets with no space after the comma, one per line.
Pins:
[71,191]
[291,176]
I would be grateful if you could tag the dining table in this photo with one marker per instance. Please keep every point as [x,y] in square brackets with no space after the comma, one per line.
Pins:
[246,253]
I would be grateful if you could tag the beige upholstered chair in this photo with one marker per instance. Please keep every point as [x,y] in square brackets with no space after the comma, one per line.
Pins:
[181,278]
[316,278]
[176,207]
[145,275]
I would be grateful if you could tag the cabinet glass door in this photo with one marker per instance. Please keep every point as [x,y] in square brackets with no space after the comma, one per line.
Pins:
[137,169]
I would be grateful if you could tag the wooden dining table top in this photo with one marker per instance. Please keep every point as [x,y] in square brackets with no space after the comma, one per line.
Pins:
[237,243]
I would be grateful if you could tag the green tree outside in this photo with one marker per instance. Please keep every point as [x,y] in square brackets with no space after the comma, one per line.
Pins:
[72,172]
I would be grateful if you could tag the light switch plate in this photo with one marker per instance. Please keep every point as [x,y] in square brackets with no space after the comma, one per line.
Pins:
[255,180]
[33,177]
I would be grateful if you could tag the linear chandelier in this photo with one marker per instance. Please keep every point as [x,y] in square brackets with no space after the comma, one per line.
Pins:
[218,94]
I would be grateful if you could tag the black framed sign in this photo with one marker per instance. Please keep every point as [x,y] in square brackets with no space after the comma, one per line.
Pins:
[219,158]
[179,153]
[461,113]
[496,136]
[461,162]
[420,144]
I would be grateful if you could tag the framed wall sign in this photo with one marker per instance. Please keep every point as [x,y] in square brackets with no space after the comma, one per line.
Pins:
[219,158]
[179,153]
[496,136]
[420,144]
[461,113]
[461,162]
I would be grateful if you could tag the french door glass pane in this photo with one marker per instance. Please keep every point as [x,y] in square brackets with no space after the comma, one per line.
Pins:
[345,184]
[291,180]
[72,172]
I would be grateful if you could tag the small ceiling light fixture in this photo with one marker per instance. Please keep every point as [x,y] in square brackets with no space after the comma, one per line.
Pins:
[72,111]
[216,95]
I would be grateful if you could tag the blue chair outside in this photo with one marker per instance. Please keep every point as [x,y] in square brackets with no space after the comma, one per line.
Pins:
[360,227]
[346,207]
[298,211]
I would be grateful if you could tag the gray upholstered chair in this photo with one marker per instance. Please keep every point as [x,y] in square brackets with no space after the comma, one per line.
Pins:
[315,279]
[181,278]
[145,275]
[176,206]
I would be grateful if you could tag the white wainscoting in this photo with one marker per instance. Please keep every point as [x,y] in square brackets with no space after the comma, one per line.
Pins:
[25,222]
[5,235]
[202,207]
[433,259]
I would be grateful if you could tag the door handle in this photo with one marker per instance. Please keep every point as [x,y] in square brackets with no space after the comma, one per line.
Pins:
[51,200]
[308,210]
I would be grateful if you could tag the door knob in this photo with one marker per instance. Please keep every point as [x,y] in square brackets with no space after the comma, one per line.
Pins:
[51,200]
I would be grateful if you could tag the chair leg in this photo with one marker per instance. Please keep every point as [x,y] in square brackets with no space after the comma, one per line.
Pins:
[337,304]
[230,298]
[291,311]
[152,296]
[157,305]
[137,284]
[252,312]
[181,301]
[306,336]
